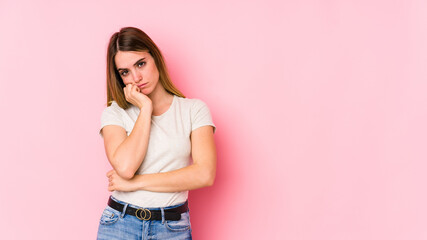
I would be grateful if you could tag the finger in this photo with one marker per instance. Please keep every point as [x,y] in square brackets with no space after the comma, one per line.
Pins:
[109,173]
[136,87]
[132,87]
[124,91]
[127,87]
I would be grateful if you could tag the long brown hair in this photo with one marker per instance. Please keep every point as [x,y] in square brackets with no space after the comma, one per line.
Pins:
[133,39]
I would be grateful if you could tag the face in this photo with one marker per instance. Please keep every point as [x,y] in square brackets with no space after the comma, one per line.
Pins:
[138,68]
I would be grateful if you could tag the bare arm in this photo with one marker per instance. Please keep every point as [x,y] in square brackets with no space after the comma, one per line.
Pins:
[200,174]
[126,153]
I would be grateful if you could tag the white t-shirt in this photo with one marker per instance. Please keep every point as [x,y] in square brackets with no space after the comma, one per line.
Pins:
[169,146]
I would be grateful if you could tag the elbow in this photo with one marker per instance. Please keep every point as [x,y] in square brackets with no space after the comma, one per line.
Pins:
[125,172]
[123,168]
[206,175]
[209,180]
[126,175]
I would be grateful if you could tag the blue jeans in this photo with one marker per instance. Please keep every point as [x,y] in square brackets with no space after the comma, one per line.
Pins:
[116,224]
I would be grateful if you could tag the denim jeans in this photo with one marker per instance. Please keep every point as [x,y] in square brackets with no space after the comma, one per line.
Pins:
[116,224]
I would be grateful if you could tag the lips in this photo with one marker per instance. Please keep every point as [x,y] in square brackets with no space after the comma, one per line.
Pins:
[141,85]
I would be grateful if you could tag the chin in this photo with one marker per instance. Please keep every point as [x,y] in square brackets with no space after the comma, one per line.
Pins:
[146,91]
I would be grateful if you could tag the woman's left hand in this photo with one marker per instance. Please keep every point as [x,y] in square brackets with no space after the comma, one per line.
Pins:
[119,184]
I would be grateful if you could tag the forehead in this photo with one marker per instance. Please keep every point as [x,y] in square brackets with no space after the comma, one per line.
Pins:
[126,59]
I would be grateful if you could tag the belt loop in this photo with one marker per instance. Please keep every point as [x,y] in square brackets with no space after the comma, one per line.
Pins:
[124,210]
[163,215]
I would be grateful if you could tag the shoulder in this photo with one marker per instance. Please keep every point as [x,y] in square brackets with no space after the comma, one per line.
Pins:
[113,109]
[191,102]
[199,113]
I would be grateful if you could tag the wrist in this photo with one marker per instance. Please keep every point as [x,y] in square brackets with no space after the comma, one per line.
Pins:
[139,184]
[146,109]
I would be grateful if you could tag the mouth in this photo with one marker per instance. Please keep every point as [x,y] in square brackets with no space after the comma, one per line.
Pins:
[141,85]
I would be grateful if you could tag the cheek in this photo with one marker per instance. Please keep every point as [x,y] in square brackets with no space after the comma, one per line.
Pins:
[154,73]
[125,81]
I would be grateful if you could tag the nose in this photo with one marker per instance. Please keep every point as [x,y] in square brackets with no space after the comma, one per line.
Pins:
[137,76]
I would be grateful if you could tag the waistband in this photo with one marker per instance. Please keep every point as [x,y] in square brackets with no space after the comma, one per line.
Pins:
[173,213]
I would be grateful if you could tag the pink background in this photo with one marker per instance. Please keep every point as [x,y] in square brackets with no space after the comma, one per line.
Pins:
[320,107]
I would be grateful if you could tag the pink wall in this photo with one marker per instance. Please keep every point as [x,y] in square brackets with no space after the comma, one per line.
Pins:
[320,107]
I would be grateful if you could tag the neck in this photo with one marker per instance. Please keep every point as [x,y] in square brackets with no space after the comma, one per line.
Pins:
[159,96]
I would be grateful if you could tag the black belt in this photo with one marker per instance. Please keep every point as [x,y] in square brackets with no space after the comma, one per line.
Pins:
[146,214]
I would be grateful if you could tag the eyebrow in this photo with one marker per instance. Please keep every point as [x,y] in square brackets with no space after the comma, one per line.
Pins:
[134,64]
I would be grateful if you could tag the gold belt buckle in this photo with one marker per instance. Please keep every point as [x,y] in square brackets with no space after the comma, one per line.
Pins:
[139,216]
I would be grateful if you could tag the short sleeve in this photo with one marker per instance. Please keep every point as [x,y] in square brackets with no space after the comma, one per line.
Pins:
[201,115]
[110,116]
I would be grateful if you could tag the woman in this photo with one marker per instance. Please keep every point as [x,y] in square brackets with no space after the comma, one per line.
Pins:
[150,130]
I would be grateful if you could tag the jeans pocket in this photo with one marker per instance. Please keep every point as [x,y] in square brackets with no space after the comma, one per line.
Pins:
[109,216]
[180,225]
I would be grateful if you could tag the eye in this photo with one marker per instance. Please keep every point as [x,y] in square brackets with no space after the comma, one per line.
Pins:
[124,73]
[140,64]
